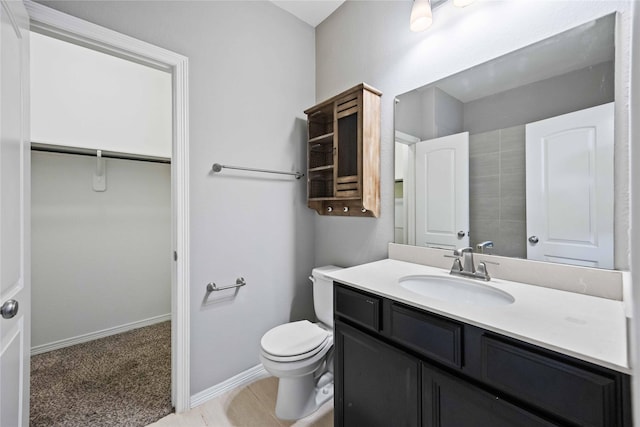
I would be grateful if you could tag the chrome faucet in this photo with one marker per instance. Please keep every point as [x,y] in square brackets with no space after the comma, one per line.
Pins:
[484,245]
[467,258]
[466,267]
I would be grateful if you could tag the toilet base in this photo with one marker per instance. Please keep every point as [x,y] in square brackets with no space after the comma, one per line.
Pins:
[302,396]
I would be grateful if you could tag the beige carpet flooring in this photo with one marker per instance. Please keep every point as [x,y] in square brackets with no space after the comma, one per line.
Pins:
[121,380]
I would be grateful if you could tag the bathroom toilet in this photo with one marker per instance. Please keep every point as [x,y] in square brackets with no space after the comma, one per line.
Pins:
[300,354]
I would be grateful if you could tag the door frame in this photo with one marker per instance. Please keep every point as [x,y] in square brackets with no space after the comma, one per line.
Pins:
[66,27]
[409,185]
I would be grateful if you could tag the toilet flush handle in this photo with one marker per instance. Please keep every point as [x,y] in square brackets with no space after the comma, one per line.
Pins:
[312,279]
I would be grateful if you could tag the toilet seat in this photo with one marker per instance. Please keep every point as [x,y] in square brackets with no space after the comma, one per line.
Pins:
[294,341]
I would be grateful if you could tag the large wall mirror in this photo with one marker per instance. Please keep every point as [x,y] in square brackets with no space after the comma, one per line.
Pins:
[514,157]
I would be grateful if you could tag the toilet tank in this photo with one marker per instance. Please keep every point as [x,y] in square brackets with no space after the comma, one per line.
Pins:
[323,293]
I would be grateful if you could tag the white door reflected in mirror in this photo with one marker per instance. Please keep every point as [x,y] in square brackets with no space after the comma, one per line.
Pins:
[569,181]
[442,192]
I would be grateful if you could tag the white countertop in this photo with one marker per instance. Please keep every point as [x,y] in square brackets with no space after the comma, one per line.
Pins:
[585,327]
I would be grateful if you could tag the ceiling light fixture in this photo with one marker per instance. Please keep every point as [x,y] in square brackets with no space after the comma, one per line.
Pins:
[421,15]
[422,12]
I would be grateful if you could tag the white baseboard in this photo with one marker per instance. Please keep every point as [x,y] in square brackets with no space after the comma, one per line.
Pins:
[67,342]
[246,377]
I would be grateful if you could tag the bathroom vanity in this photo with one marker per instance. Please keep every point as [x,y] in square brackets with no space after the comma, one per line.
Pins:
[551,358]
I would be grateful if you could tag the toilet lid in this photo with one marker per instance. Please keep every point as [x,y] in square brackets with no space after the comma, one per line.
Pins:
[293,338]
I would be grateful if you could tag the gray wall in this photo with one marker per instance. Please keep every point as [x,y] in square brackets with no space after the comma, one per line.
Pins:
[429,113]
[541,100]
[371,42]
[410,116]
[99,260]
[497,195]
[251,75]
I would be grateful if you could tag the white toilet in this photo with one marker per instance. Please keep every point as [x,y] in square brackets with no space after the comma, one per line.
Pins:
[300,354]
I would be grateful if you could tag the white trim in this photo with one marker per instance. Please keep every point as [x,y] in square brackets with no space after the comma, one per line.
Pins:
[243,378]
[405,138]
[65,26]
[68,342]
[409,187]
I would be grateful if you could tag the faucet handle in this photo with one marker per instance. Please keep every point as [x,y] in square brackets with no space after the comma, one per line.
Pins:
[481,271]
[457,266]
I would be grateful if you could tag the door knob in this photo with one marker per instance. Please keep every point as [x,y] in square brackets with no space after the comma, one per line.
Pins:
[9,309]
[461,234]
[533,240]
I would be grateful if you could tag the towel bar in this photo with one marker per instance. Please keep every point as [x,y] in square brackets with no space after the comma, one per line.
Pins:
[217,167]
[240,282]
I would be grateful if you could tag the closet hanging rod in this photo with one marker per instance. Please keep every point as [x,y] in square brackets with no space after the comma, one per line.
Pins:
[64,149]
[217,167]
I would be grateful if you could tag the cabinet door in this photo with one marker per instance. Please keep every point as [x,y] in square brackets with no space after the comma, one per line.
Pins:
[555,384]
[348,146]
[375,384]
[451,402]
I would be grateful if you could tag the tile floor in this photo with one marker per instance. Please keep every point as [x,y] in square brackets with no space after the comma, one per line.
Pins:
[247,406]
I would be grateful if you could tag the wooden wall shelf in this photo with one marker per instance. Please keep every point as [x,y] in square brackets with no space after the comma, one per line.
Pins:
[343,153]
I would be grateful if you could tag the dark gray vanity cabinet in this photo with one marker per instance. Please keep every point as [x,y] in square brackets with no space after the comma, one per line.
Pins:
[397,365]
[370,371]
[380,384]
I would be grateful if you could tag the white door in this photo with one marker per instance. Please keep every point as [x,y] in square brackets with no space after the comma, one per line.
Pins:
[442,192]
[14,224]
[570,188]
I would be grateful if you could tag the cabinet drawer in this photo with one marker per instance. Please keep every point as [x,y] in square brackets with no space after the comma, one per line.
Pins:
[361,308]
[560,387]
[430,335]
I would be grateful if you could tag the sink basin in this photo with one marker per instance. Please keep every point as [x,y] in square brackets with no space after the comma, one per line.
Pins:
[453,289]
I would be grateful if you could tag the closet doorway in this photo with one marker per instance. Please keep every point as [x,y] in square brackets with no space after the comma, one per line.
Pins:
[101,236]
[62,26]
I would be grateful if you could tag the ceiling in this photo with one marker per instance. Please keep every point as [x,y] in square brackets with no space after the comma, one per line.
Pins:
[575,49]
[313,12]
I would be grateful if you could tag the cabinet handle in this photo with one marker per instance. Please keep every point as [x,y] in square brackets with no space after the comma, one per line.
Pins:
[346,209]
[329,209]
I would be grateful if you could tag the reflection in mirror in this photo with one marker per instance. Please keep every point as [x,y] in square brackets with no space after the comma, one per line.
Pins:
[517,151]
